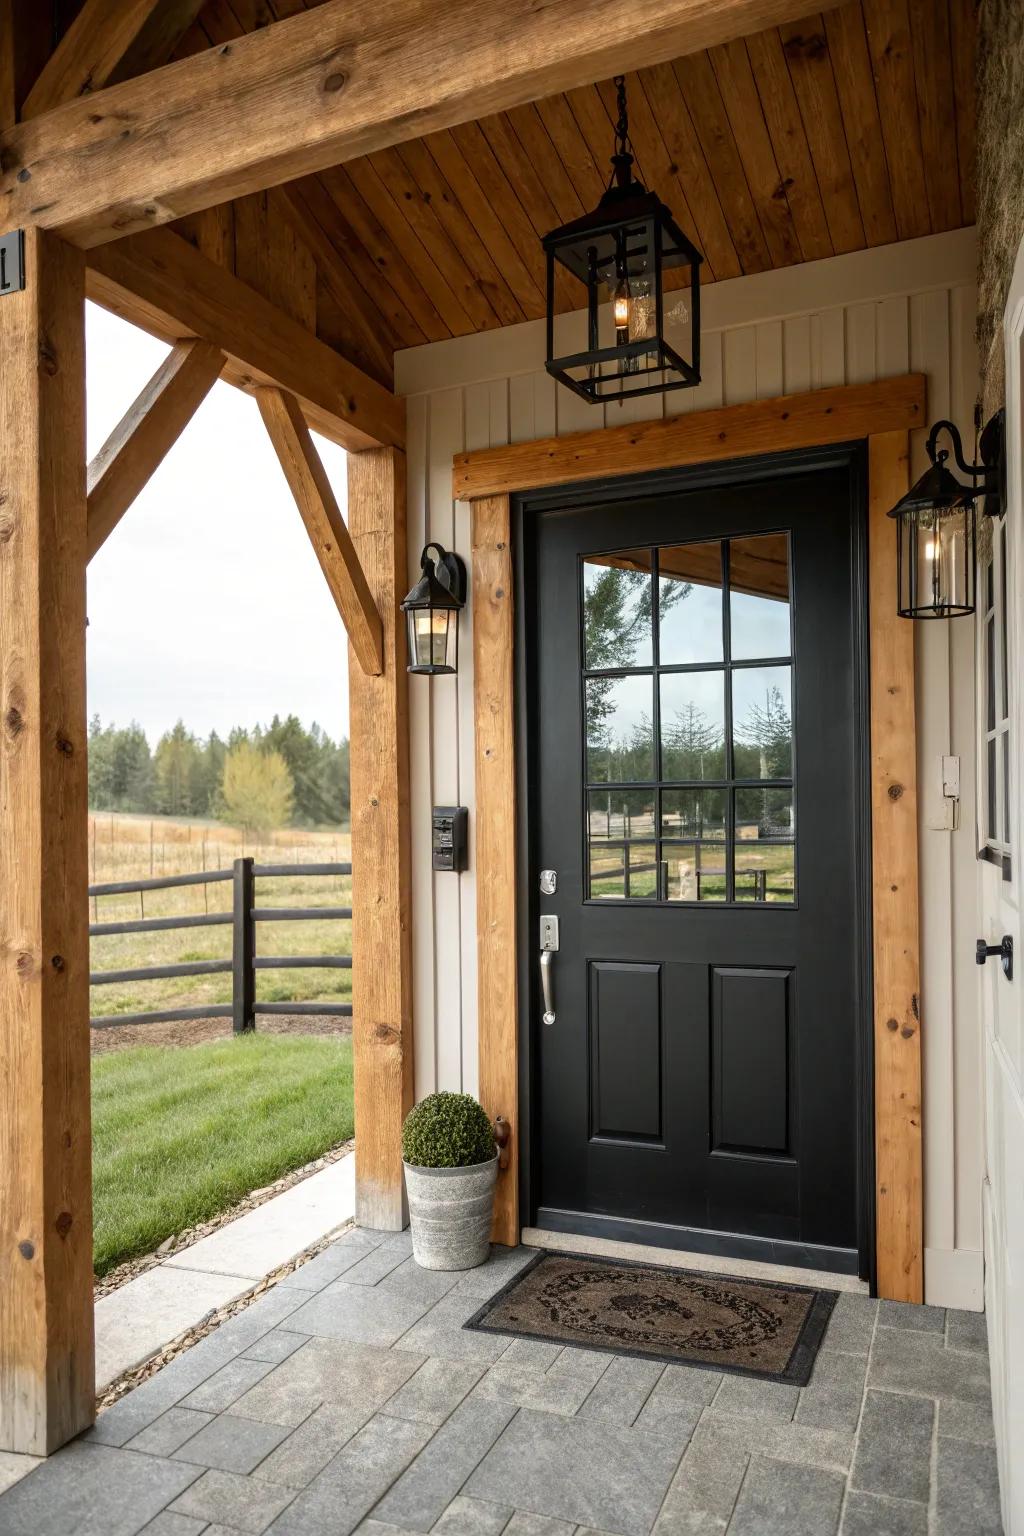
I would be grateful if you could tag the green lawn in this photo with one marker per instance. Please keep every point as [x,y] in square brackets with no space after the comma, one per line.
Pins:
[179,1134]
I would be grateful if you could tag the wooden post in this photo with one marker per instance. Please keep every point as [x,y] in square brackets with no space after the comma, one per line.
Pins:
[47,1379]
[897,963]
[243,950]
[496,936]
[381,873]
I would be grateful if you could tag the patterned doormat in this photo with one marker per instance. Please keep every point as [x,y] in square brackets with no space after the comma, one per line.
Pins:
[751,1327]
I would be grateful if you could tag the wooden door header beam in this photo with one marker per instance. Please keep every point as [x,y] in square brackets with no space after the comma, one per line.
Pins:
[821,416]
[162,284]
[323,87]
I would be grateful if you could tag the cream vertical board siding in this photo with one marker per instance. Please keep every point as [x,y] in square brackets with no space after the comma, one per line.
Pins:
[869,315]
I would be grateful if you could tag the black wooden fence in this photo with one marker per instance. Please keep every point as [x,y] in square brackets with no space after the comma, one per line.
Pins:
[244,918]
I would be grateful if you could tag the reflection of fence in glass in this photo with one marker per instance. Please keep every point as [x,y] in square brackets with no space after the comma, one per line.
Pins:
[243,918]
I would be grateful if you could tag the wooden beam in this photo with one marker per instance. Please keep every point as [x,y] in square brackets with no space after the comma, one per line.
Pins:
[47,1387]
[26,38]
[307,479]
[897,963]
[146,433]
[496,936]
[765,426]
[162,283]
[109,40]
[381,858]
[323,87]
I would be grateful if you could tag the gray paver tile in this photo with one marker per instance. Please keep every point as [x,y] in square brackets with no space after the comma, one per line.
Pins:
[440,1332]
[359,1377]
[245,1504]
[92,1490]
[374,1265]
[529,1388]
[473,1517]
[591,1364]
[257,1319]
[830,1405]
[533,1354]
[587,1471]
[802,1444]
[124,1419]
[672,1417]
[351,1484]
[276,1346]
[799,1501]
[14,1466]
[622,1390]
[426,1489]
[502,1266]
[310,1447]
[967,1330]
[332,1262]
[428,1285]
[362,1313]
[894,1446]
[174,1525]
[524,1524]
[231,1444]
[768,1399]
[689,1382]
[169,1431]
[871,1514]
[966,1421]
[703,1492]
[435,1391]
[966,1490]
[227,1385]
[907,1314]
[852,1324]
[920,1362]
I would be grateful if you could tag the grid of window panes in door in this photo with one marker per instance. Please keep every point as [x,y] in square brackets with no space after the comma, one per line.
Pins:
[688,720]
[996,794]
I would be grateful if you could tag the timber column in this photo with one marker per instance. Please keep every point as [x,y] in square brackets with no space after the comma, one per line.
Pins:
[47,1384]
[381,863]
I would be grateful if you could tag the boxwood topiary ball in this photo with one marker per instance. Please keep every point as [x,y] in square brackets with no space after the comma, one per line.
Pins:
[447,1130]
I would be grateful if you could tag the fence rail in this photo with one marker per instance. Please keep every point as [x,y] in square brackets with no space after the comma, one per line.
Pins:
[244,917]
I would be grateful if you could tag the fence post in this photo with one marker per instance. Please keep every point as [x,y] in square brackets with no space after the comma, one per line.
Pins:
[243,971]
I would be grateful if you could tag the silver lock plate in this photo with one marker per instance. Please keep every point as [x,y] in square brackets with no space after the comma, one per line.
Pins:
[548,882]
[548,933]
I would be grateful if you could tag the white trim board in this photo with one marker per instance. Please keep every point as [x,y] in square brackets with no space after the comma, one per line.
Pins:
[886,271]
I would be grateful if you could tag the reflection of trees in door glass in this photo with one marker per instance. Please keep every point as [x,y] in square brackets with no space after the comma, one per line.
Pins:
[762,724]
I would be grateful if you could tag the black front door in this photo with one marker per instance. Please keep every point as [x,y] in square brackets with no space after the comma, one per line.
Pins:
[697,767]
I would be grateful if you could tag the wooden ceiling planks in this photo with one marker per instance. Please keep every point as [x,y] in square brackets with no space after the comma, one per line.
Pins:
[849,129]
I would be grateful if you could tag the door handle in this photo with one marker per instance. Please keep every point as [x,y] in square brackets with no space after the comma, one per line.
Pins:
[1004,949]
[547,960]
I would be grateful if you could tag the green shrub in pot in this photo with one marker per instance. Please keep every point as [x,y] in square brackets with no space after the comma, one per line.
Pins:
[451,1166]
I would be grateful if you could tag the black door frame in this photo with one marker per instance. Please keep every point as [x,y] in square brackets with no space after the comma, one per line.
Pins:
[851,457]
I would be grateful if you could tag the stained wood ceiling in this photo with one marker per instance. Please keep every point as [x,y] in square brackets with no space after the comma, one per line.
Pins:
[849,129]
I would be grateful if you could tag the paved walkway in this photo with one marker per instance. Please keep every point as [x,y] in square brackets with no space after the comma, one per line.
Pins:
[139,1318]
[351,1399]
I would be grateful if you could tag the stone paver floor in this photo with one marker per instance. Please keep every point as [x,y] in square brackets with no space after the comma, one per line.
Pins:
[351,1399]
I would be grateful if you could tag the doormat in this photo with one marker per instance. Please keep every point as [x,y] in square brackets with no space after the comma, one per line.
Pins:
[749,1327]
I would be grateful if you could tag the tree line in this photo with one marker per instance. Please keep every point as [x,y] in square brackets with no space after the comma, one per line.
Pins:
[259,778]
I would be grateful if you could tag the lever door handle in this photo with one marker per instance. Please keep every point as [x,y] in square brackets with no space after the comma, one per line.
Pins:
[1004,949]
[547,960]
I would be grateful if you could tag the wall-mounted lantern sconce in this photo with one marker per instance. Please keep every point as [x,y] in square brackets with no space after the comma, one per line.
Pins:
[620,253]
[432,610]
[936,524]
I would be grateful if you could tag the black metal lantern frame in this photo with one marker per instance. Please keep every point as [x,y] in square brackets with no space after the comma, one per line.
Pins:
[623,249]
[936,524]
[432,612]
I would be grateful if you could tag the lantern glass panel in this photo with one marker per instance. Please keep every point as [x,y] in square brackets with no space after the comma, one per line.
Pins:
[433,639]
[936,561]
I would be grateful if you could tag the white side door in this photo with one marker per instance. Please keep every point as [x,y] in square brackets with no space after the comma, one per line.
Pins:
[1001,844]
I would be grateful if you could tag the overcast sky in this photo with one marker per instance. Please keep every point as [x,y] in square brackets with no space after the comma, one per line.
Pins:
[207,603]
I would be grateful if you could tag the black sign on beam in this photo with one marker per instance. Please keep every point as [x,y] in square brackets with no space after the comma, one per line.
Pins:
[12,262]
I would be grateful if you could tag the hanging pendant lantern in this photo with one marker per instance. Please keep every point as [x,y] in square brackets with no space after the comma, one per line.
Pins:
[432,613]
[936,525]
[621,252]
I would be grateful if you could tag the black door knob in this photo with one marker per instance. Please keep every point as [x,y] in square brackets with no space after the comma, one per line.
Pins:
[1004,949]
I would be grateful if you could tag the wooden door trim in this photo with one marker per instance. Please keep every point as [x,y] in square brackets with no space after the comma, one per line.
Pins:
[883,414]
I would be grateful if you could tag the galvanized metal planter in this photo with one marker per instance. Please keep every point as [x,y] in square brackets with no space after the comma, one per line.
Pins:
[450,1210]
